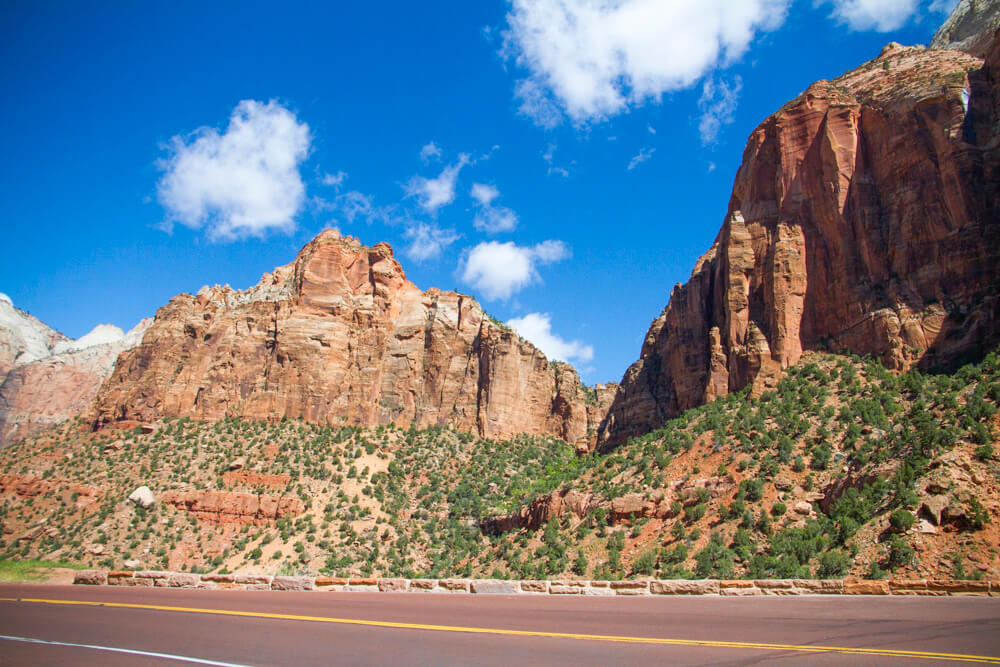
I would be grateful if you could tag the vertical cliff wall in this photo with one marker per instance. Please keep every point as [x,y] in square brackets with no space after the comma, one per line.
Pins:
[865,217]
[341,336]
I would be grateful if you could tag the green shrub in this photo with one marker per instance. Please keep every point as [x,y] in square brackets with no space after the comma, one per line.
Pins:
[901,521]
[833,564]
[976,514]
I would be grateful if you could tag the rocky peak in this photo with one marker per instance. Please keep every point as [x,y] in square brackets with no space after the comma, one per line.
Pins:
[970,28]
[863,218]
[59,385]
[23,337]
[340,336]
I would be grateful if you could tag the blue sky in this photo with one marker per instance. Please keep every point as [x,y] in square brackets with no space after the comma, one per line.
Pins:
[565,161]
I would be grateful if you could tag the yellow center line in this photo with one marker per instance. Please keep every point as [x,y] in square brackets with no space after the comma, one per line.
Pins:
[959,657]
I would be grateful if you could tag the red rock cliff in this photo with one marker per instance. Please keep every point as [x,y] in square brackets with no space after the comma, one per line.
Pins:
[341,336]
[865,217]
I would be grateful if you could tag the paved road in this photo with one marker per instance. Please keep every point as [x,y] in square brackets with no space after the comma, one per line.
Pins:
[271,628]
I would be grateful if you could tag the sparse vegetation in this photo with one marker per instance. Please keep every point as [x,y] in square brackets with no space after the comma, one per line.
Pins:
[822,476]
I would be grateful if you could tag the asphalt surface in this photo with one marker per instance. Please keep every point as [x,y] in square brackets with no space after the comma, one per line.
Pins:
[247,628]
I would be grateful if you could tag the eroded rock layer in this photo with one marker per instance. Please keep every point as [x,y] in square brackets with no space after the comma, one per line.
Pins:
[865,217]
[45,391]
[340,336]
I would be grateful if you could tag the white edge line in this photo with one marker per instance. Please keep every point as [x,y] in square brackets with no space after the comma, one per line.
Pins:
[114,649]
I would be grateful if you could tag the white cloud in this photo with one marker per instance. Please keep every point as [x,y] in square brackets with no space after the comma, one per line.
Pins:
[495,219]
[537,328]
[643,155]
[353,205]
[243,182]
[489,218]
[429,152]
[651,129]
[334,180]
[550,156]
[594,58]
[943,6]
[717,106]
[498,270]
[484,194]
[428,241]
[878,15]
[433,193]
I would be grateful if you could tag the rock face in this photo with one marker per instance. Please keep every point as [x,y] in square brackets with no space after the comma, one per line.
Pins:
[970,27]
[57,387]
[224,507]
[23,338]
[865,217]
[340,336]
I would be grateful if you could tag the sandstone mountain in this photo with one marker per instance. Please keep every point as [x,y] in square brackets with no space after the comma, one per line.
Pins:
[23,338]
[53,378]
[865,217]
[341,337]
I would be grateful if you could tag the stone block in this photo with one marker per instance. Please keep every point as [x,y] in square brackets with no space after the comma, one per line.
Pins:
[820,586]
[292,584]
[252,579]
[363,581]
[256,587]
[392,585]
[630,587]
[364,588]
[867,587]
[685,587]
[738,587]
[219,578]
[454,585]
[91,577]
[423,584]
[629,584]
[897,586]
[558,589]
[324,582]
[493,587]
[133,581]
[959,587]
[183,580]
[534,587]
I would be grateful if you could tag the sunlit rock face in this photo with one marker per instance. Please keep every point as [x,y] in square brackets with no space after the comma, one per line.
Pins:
[340,336]
[864,218]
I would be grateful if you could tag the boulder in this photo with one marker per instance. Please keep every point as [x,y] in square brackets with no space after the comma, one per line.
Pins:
[142,497]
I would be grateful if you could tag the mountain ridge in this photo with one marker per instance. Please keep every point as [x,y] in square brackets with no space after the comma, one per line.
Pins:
[341,336]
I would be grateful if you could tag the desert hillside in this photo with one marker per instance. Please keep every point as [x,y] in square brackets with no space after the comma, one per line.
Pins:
[843,468]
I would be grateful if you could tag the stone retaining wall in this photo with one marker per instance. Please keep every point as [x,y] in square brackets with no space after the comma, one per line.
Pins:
[735,587]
